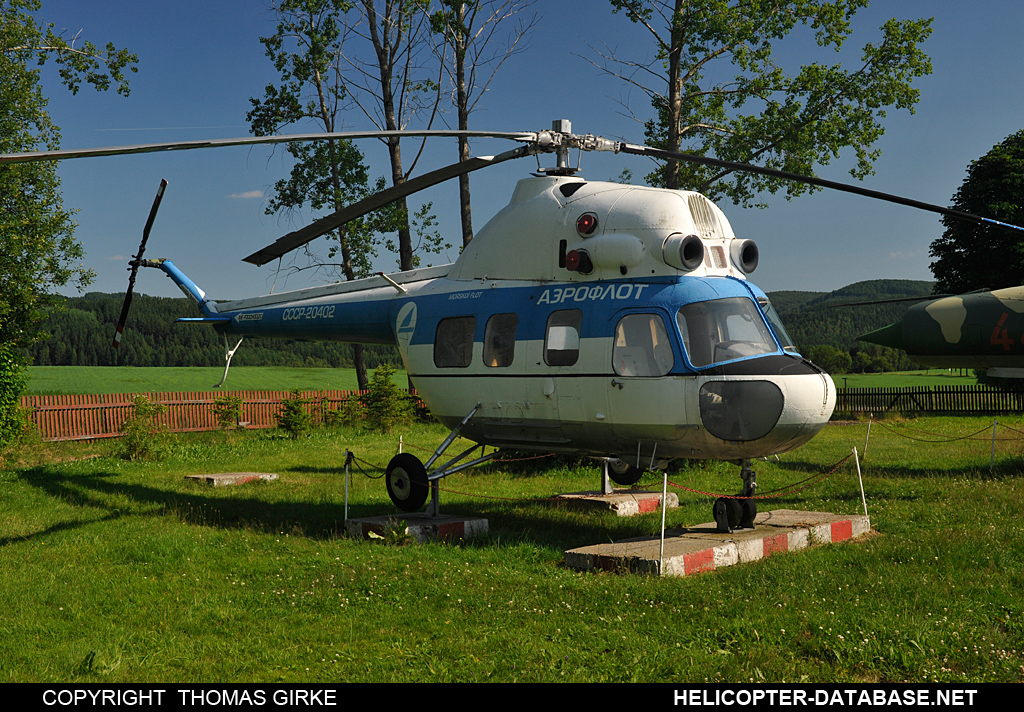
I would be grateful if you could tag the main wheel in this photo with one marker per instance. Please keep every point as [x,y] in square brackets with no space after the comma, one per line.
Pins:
[727,514]
[748,507]
[623,474]
[407,482]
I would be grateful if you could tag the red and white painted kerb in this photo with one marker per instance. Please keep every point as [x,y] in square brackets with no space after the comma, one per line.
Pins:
[701,548]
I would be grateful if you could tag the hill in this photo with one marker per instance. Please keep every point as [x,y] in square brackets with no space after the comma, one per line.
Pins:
[816,320]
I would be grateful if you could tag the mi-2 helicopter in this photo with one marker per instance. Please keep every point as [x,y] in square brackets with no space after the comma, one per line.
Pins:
[608,320]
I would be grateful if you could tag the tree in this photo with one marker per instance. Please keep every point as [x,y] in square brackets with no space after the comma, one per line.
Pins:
[468,29]
[307,52]
[38,251]
[831,359]
[972,256]
[787,120]
[391,88]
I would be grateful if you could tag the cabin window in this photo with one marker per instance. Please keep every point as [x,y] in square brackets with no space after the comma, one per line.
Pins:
[453,342]
[723,330]
[562,337]
[500,340]
[641,346]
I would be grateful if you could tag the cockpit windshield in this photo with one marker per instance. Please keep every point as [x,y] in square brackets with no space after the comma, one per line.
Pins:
[776,322]
[722,330]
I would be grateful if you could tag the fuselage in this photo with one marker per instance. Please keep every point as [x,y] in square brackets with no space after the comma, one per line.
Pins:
[580,319]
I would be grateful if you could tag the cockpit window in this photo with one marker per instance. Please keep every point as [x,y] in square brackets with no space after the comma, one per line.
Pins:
[723,330]
[776,322]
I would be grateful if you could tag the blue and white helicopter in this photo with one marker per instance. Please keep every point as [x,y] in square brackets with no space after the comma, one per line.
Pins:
[609,320]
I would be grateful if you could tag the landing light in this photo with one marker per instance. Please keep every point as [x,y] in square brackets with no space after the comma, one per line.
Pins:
[579,261]
[586,224]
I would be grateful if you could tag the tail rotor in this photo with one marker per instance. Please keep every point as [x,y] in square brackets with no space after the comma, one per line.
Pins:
[135,263]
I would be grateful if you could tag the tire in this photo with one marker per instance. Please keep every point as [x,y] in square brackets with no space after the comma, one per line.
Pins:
[727,513]
[748,507]
[623,474]
[407,482]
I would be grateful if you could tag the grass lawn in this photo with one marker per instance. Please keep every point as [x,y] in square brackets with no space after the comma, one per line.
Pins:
[118,571]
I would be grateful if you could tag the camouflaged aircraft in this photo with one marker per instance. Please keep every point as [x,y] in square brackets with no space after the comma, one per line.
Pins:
[980,330]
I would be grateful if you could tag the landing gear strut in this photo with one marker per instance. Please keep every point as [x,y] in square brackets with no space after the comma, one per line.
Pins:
[408,480]
[733,513]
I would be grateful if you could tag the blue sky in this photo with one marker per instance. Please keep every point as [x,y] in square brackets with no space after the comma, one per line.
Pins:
[200,62]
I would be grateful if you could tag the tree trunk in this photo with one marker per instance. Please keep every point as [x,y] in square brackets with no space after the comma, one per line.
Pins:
[462,99]
[674,98]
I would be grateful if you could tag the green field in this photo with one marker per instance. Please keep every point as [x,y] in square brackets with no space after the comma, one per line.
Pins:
[118,572]
[128,379]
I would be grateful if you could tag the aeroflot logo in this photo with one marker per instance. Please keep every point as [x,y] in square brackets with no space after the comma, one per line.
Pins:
[561,295]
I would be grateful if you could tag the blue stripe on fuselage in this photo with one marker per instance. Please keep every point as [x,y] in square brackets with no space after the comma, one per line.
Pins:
[364,320]
[601,304]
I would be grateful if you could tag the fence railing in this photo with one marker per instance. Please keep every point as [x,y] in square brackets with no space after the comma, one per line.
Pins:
[85,417]
[930,399]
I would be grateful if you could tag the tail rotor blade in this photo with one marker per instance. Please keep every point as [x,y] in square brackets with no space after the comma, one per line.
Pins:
[135,263]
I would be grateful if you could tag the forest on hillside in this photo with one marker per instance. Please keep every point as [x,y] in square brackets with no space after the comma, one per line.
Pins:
[824,329]
[81,333]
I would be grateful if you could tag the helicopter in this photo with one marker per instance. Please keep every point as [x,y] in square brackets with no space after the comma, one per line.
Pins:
[600,319]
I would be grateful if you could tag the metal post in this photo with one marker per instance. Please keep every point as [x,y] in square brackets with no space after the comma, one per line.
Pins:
[992,457]
[664,506]
[606,481]
[348,459]
[860,479]
[867,436]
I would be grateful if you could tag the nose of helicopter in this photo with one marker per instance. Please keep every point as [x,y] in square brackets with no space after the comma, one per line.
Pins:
[768,414]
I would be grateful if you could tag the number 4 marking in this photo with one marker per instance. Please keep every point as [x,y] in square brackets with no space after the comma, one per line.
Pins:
[1001,335]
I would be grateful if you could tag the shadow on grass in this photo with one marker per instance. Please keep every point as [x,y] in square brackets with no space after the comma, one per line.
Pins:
[539,521]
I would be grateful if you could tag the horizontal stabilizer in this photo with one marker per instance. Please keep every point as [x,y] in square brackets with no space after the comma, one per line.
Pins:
[205,319]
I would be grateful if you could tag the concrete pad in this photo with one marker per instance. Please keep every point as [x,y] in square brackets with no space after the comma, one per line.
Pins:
[702,548]
[420,526]
[232,478]
[625,503]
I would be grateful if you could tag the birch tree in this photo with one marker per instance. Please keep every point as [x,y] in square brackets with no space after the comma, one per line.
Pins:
[718,87]
[472,52]
[307,52]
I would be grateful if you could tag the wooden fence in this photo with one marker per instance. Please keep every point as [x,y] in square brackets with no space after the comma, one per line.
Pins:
[930,399]
[85,417]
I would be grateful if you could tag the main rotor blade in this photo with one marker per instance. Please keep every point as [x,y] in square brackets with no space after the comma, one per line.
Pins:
[247,141]
[293,240]
[821,182]
[136,261]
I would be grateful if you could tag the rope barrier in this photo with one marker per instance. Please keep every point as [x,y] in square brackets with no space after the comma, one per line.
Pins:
[948,440]
[776,493]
